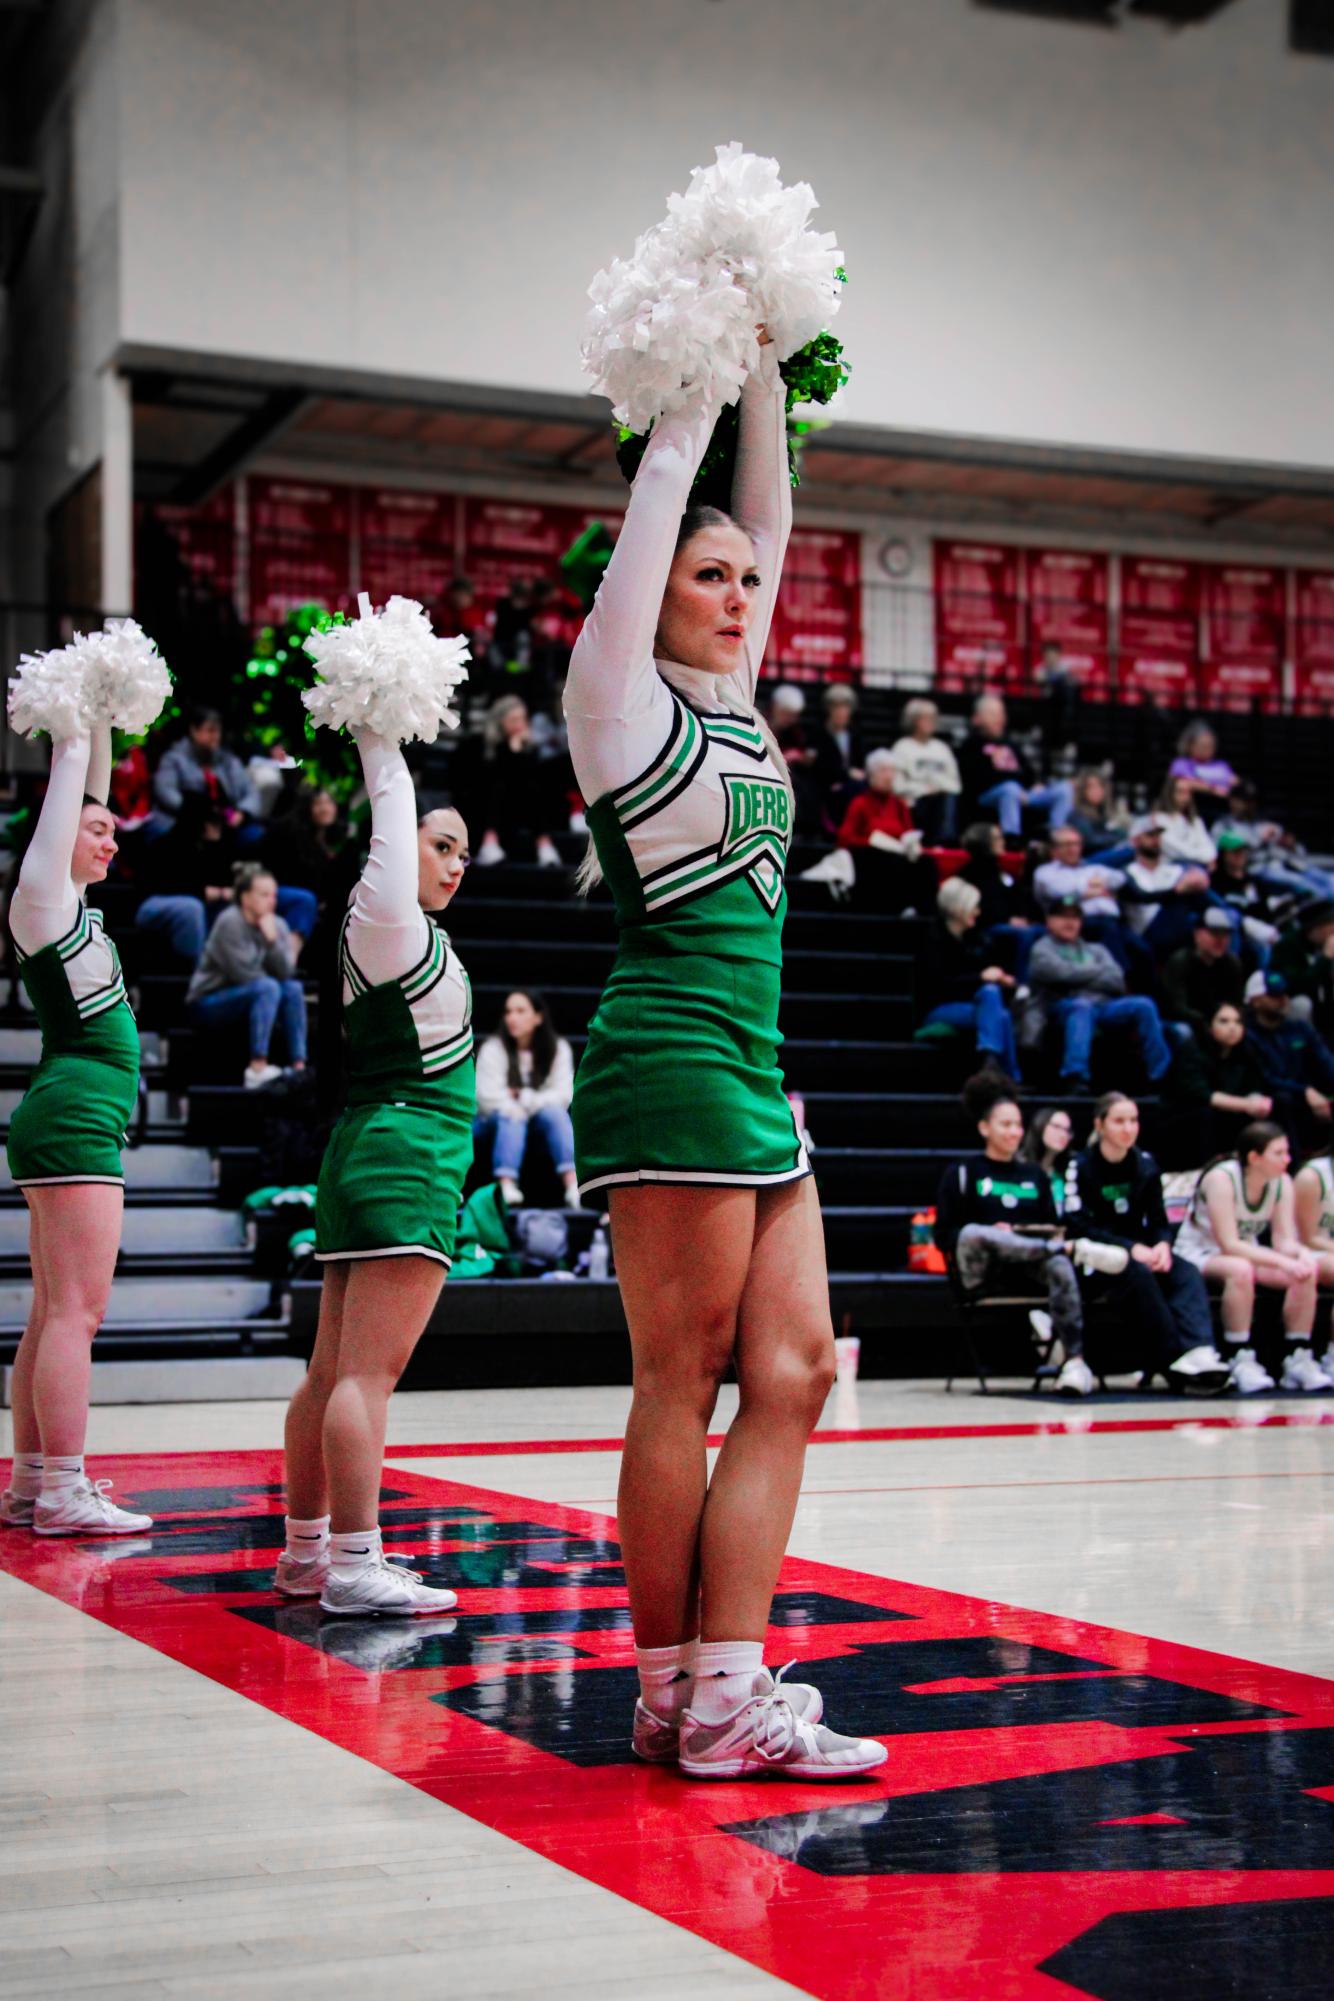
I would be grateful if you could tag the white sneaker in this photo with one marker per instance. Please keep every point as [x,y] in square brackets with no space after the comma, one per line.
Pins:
[258,1080]
[16,1510]
[656,1739]
[511,1193]
[548,854]
[766,1738]
[572,1200]
[383,1587]
[1247,1377]
[301,1576]
[490,852]
[86,1509]
[1200,1371]
[1109,1258]
[1301,1371]
[1039,1321]
[1076,1377]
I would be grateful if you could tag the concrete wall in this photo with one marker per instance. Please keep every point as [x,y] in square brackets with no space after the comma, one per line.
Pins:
[1118,240]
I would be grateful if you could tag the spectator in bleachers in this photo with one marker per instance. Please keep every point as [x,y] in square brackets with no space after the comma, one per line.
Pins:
[1060,727]
[1241,1230]
[525,1082]
[1114,1193]
[1080,988]
[247,973]
[842,760]
[797,740]
[1278,859]
[1050,1142]
[926,773]
[131,795]
[1304,956]
[302,845]
[507,788]
[998,777]
[1095,888]
[1255,909]
[1209,776]
[1092,816]
[200,763]
[892,872]
[962,986]
[1160,898]
[461,614]
[1186,838]
[1298,1066]
[1218,1084]
[1007,902]
[994,1210]
[1201,977]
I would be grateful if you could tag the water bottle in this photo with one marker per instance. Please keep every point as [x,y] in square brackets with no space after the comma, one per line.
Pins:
[599,1253]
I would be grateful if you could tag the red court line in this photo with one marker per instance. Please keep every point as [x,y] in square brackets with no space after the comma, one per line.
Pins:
[1071,1426]
[876,1933]
[1112,1480]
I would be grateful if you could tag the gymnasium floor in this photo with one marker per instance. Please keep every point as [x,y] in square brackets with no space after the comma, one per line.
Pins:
[1100,1641]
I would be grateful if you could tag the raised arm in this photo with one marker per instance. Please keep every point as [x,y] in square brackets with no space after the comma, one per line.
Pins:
[45,897]
[388,925]
[612,677]
[97,784]
[762,494]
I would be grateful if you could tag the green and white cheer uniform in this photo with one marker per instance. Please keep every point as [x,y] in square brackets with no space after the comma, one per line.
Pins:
[73,1118]
[691,819]
[393,1171]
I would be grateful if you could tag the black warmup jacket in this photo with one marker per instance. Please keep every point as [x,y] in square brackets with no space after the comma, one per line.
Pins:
[978,1190]
[1116,1205]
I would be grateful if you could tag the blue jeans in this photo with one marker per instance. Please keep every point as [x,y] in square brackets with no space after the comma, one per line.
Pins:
[182,920]
[988,1018]
[299,908]
[509,1140]
[259,1003]
[1009,801]
[1080,1016]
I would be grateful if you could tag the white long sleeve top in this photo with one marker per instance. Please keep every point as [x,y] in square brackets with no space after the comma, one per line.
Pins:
[493,1086]
[617,706]
[46,900]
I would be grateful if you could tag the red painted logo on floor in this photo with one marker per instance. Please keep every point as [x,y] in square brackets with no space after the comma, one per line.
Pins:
[1066,1809]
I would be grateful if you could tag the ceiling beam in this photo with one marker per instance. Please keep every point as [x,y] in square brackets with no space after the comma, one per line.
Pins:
[253,434]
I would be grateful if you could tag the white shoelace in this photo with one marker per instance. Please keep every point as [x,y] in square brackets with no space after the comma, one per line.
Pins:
[99,1492]
[777,1729]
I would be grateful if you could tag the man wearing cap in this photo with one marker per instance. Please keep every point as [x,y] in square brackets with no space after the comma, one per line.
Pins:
[997,776]
[1079,986]
[1256,909]
[1205,975]
[1304,955]
[1159,897]
[1297,1060]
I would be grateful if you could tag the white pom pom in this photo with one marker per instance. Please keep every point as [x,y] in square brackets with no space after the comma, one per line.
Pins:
[114,676]
[676,320]
[125,677]
[387,672]
[46,694]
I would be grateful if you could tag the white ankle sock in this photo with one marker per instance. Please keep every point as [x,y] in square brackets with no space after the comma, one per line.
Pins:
[725,1672]
[666,1676]
[307,1539]
[1235,1341]
[352,1551]
[26,1478]
[61,1471]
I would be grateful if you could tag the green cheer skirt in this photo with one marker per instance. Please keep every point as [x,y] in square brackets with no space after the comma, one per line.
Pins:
[73,1118]
[392,1177]
[680,1083]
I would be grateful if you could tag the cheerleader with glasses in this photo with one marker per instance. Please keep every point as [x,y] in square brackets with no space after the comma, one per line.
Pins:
[681,1123]
[66,1136]
[393,1172]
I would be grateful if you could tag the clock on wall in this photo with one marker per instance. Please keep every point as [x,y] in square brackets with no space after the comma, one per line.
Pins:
[896,558]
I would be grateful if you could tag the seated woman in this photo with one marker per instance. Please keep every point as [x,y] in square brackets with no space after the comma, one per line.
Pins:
[995,1211]
[877,829]
[1218,1084]
[1313,1191]
[1209,776]
[1091,817]
[525,1081]
[247,972]
[1186,837]
[1241,1229]
[507,787]
[962,986]
[926,773]
[1114,1192]
[1049,1142]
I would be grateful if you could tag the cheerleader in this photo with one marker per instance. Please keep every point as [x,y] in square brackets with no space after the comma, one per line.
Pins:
[389,1186]
[679,1113]
[66,1136]
[1313,1191]
[1241,1229]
